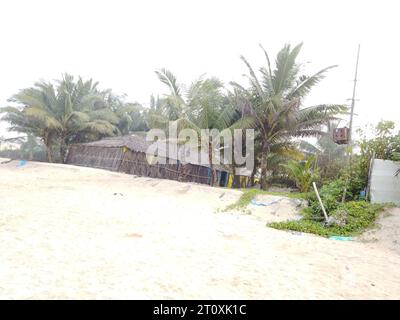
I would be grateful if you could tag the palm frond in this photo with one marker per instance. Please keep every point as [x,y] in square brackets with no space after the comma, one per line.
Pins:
[168,78]
[306,83]
[286,68]
[253,78]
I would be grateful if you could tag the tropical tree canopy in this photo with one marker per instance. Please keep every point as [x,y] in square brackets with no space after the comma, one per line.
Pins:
[75,110]
[66,112]
[202,106]
[274,102]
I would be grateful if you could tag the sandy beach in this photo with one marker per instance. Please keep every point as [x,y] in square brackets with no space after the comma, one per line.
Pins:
[80,233]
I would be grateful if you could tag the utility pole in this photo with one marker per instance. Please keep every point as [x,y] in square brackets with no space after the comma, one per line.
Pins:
[350,139]
[353,102]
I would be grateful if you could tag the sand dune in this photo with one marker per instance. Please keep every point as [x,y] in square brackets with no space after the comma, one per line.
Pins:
[71,232]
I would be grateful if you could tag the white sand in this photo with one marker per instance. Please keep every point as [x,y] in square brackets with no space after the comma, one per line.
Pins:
[71,232]
[276,208]
[387,233]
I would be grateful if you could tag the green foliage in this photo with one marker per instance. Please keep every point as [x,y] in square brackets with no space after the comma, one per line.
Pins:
[273,102]
[202,106]
[330,156]
[360,216]
[29,148]
[385,145]
[302,173]
[330,194]
[69,111]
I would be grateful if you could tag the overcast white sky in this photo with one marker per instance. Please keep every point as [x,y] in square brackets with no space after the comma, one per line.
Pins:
[120,44]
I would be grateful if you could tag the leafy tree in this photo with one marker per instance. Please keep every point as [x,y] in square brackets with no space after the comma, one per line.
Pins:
[384,145]
[202,106]
[275,103]
[61,113]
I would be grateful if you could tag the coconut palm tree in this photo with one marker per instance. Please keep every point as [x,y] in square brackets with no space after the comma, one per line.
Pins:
[62,113]
[275,102]
[201,106]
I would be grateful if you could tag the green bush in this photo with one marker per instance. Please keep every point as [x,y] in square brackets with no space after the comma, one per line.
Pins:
[331,195]
[302,173]
[360,216]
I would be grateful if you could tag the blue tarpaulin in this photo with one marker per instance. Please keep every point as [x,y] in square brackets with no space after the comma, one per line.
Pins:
[22,163]
[263,203]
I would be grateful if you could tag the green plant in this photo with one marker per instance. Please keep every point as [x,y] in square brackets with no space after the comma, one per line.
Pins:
[202,106]
[385,145]
[360,215]
[274,103]
[330,194]
[302,173]
[70,111]
[330,156]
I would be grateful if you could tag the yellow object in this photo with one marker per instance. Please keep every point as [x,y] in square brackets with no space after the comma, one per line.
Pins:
[230,181]
[151,159]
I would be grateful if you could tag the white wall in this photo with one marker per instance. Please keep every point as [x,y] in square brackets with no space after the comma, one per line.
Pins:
[385,187]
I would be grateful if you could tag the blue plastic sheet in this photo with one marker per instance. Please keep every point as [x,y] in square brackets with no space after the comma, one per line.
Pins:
[22,163]
[341,238]
[263,204]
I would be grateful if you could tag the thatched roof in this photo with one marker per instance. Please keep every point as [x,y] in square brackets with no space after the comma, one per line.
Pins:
[133,142]
[139,144]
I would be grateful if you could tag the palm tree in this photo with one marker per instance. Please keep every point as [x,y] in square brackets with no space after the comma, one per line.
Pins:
[275,103]
[61,114]
[302,173]
[128,117]
[201,106]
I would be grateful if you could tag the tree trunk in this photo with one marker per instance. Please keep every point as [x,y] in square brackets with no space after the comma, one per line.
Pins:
[49,154]
[63,148]
[47,143]
[264,157]
[63,152]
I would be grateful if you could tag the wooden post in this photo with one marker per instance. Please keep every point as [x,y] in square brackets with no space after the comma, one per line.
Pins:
[320,201]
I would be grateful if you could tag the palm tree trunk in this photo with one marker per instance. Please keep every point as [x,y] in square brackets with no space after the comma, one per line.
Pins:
[63,153]
[49,154]
[47,143]
[264,157]
[63,149]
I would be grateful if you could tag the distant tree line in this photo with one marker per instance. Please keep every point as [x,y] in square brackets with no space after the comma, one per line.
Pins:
[73,110]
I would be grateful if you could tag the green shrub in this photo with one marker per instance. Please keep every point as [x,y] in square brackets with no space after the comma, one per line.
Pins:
[302,173]
[331,195]
[360,216]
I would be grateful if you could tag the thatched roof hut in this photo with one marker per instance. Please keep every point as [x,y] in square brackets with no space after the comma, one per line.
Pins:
[130,154]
